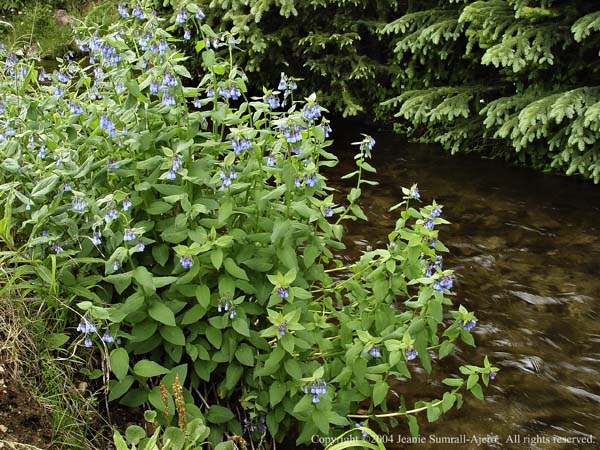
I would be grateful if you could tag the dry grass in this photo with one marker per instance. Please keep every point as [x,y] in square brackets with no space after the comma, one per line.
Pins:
[16,343]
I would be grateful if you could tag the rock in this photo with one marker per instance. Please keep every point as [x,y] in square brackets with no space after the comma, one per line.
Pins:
[62,17]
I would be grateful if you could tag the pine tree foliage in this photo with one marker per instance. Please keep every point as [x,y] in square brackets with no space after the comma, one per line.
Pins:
[522,76]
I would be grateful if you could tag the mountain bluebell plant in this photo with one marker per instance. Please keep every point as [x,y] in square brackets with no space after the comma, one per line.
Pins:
[201,233]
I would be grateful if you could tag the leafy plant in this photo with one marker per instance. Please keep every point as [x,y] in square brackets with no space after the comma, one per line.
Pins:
[189,234]
[333,46]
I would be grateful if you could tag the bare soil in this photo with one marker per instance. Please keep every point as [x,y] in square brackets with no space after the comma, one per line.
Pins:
[22,419]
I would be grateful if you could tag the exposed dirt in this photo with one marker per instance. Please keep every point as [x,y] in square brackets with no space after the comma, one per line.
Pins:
[22,419]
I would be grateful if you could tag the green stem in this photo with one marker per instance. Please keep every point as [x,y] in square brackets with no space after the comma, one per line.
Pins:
[400,413]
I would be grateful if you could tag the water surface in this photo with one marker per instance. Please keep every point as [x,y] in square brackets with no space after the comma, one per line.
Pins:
[525,248]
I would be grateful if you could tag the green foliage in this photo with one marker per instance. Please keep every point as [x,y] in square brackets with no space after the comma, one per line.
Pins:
[515,78]
[190,232]
[193,437]
[332,45]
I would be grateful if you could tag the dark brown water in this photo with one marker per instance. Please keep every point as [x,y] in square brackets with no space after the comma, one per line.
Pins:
[525,248]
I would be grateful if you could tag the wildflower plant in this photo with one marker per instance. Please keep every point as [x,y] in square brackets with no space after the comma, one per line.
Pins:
[198,240]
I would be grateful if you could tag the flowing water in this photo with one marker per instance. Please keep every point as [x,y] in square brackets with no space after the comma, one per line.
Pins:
[525,248]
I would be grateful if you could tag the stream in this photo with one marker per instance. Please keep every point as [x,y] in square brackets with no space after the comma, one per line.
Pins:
[525,248]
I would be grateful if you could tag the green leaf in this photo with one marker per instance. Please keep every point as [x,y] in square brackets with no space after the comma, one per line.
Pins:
[219,414]
[120,443]
[162,313]
[56,340]
[454,382]
[148,369]
[158,207]
[380,392]
[232,375]
[175,437]
[413,426]
[121,281]
[240,324]
[447,401]
[292,367]
[135,434]
[119,363]
[233,269]
[216,258]
[288,257]
[245,355]
[277,391]
[446,348]
[203,296]
[120,388]
[193,315]
[160,253]
[477,392]
[433,413]
[42,188]
[472,380]
[144,278]
[214,336]
[310,255]
[174,335]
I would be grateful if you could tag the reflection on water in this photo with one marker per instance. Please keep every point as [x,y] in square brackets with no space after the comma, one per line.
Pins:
[525,248]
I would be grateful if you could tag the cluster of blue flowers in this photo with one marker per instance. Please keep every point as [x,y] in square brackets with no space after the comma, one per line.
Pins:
[182,16]
[444,283]
[11,69]
[286,84]
[292,132]
[374,352]
[316,390]
[273,101]
[88,328]
[283,292]
[129,235]
[240,144]
[282,328]
[223,305]
[468,326]
[411,354]
[79,204]
[108,55]
[110,215]
[175,166]
[312,111]
[227,179]
[97,238]
[251,427]
[366,146]
[43,76]
[230,92]
[108,125]
[74,108]
[326,127]
[186,261]
[310,180]
[434,266]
